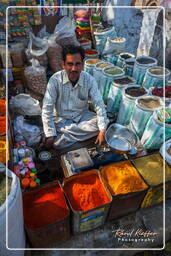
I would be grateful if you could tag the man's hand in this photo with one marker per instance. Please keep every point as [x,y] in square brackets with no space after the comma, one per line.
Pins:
[49,142]
[100,137]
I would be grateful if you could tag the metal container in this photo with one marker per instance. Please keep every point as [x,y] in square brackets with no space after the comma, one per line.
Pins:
[118,134]
[151,169]
[93,218]
[123,57]
[123,204]
[56,232]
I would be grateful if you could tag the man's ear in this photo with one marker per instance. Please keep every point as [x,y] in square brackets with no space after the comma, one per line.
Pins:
[63,64]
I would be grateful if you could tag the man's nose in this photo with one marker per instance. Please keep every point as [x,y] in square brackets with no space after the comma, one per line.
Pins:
[74,68]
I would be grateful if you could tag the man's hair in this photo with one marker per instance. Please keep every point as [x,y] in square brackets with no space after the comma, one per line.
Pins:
[72,49]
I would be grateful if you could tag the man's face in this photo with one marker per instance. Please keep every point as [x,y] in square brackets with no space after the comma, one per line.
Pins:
[73,66]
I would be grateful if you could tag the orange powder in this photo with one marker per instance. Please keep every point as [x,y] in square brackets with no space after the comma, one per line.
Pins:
[2,106]
[86,193]
[90,51]
[2,124]
[122,178]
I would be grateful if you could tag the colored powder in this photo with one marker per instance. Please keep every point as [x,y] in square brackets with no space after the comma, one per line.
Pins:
[124,80]
[90,51]
[118,39]
[83,41]
[144,60]
[149,103]
[158,71]
[92,61]
[3,187]
[2,106]
[2,124]
[113,71]
[160,92]
[86,193]
[135,91]
[122,178]
[125,56]
[44,206]
[103,65]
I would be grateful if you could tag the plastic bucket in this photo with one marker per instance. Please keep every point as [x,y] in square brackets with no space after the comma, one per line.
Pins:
[89,65]
[127,105]
[97,73]
[123,57]
[115,94]
[141,65]
[101,37]
[156,76]
[109,74]
[110,58]
[144,109]
[114,45]
[153,91]
[153,134]
[129,66]
[91,54]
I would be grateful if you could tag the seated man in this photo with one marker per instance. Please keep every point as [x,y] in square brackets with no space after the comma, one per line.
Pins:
[67,95]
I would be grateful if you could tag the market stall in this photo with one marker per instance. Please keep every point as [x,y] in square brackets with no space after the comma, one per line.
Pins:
[71,191]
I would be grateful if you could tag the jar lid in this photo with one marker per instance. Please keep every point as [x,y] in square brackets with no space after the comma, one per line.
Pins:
[44,155]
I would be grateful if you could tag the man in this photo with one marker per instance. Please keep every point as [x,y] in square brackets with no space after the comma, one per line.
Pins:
[67,94]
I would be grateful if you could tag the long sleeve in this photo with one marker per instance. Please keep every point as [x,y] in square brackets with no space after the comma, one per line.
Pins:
[98,103]
[49,102]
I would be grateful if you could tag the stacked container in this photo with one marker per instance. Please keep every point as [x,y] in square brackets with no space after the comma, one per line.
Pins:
[46,215]
[126,187]
[89,200]
[151,168]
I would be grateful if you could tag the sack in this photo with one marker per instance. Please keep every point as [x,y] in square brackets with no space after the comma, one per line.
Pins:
[164,151]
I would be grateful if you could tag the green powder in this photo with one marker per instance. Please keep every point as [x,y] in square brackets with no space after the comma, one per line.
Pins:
[113,71]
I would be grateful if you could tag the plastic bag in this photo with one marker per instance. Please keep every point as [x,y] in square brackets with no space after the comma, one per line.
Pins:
[24,104]
[17,55]
[54,54]
[40,43]
[64,32]
[36,77]
[30,133]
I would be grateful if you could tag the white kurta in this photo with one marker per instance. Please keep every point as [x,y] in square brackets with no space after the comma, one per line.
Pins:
[72,120]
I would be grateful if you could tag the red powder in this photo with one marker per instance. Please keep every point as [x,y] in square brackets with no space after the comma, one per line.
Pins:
[82,41]
[89,51]
[44,206]
[160,92]
[86,193]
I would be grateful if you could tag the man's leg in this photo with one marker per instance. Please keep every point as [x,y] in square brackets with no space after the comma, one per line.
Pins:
[70,132]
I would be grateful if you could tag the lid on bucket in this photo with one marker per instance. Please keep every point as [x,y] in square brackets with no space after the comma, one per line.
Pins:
[113,71]
[149,102]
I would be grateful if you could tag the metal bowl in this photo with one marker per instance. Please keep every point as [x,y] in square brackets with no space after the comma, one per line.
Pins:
[121,139]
